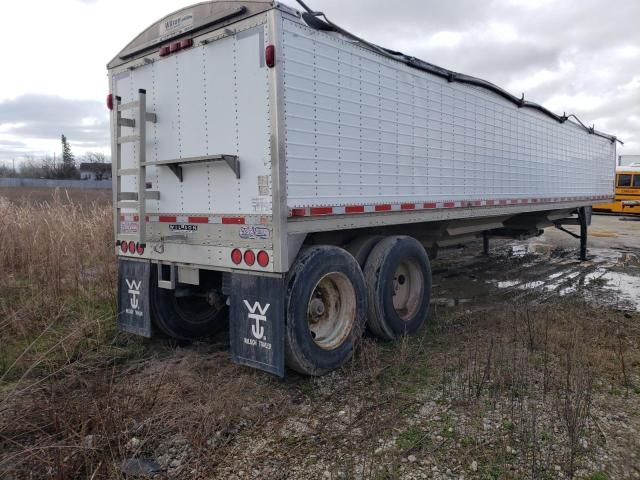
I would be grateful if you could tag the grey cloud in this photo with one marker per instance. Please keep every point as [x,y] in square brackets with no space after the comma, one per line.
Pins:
[84,122]
[585,34]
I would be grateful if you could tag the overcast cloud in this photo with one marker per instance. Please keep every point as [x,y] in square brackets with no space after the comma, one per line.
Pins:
[572,56]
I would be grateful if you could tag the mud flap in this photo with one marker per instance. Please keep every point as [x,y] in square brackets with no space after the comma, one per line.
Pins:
[256,324]
[134,313]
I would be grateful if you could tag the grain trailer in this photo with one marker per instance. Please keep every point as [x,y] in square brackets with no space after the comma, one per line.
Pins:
[281,175]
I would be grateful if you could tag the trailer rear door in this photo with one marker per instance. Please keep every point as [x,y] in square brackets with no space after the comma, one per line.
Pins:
[210,99]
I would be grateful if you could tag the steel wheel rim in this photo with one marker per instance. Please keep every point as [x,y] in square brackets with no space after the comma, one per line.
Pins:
[408,288]
[331,311]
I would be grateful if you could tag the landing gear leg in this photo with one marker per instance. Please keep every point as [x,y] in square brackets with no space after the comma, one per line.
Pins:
[583,220]
[485,243]
[584,217]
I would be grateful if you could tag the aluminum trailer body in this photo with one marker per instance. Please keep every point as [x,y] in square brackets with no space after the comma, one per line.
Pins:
[242,137]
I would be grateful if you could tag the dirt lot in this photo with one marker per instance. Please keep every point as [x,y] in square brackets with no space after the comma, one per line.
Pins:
[529,368]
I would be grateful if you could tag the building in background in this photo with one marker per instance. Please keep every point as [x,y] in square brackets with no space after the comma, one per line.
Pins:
[95,171]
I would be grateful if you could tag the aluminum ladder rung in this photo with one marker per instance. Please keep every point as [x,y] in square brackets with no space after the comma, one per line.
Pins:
[148,195]
[127,122]
[131,123]
[129,138]
[125,172]
[128,204]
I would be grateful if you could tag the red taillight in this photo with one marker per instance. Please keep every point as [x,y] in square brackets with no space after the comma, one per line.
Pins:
[236,256]
[165,50]
[110,101]
[263,259]
[175,47]
[140,249]
[132,247]
[124,247]
[249,258]
[270,56]
[186,43]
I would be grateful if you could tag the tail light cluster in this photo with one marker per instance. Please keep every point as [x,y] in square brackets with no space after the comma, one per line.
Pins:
[131,247]
[176,46]
[249,257]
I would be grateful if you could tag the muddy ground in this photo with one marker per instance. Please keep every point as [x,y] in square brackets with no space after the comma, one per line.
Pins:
[529,368]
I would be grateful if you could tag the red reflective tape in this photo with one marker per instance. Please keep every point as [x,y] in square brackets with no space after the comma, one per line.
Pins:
[233,220]
[490,203]
[354,209]
[164,219]
[298,212]
[198,219]
[408,206]
[503,202]
[383,208]
[430,205]
[477,203]
[449,204]
[322,211]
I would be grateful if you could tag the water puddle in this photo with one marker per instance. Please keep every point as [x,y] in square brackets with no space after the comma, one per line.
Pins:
[626,286]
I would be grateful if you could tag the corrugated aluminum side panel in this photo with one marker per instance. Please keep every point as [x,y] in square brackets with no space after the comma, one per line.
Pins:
[363,129]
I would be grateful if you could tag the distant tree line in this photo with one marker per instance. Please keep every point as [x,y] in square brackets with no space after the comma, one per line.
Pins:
[51,167]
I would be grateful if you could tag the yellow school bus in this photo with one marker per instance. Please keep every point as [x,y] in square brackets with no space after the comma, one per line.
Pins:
[627,199]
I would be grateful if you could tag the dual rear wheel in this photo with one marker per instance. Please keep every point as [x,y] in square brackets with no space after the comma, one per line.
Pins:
[332,292]
[333,295]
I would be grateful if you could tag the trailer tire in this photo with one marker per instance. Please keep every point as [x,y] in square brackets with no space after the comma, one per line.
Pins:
[398,278]
[326,309]
[361,247]
[188,318]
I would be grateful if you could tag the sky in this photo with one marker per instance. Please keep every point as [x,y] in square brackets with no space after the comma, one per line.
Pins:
[573,56]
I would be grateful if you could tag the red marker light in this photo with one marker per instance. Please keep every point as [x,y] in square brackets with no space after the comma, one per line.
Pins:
[249,258]
[270,56]
[140,249]
[263,259]
[124,247]
[110,101]
[165,50]
[175,47]
[236,256]
[186,43]
[132,247]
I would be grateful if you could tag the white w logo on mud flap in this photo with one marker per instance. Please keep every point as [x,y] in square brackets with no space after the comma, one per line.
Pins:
[256,329]
[134,291]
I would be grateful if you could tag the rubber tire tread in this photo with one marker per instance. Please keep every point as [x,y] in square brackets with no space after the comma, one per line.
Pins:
[302,353]
[361,247]
[383,320]
[169,321]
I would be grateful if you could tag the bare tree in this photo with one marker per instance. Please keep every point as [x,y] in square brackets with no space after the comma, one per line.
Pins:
[94,157]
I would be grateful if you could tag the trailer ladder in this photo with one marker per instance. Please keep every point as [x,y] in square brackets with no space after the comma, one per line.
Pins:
[133,200]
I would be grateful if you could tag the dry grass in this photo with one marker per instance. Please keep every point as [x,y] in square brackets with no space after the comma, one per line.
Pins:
[533,375]
[34,195]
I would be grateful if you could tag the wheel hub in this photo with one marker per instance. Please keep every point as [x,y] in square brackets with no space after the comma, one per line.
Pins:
[408,288]
[331,311]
